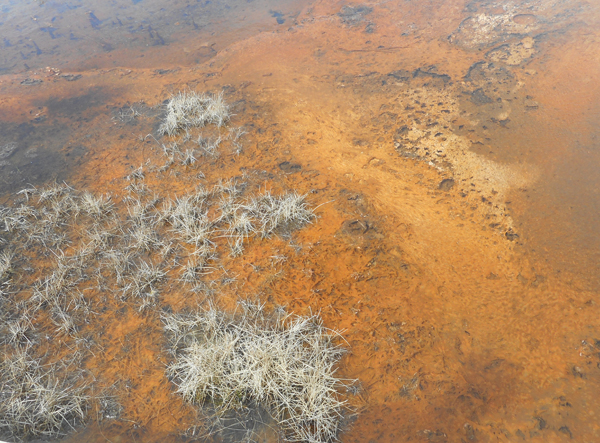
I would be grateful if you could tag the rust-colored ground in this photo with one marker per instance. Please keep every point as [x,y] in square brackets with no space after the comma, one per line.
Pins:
[470,306]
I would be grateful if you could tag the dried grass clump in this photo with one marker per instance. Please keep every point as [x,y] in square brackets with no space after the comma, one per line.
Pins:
[280,212]
[191,109]
[96,205]
[5,272]
[285,365]
[35,402]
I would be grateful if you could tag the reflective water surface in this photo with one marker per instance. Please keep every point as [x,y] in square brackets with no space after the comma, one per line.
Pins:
[455,144]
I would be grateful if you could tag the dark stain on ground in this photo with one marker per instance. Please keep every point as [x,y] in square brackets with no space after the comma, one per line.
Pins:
[94,21]
[485,73]
[510,235]
[71,77]
[479,98]
[157,39]
[278,16]
[429,73]
[31,81]
[446,184]
[41,154]
[289,167]
[73,106]
[402,74]
[353,15]
[50,30]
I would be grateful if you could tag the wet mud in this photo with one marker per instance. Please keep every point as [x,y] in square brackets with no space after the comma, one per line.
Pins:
[450,151]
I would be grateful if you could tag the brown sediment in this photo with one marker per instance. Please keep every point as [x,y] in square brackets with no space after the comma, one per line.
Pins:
[469,310]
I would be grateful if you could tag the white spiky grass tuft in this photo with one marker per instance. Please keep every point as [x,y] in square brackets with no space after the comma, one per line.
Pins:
[34,402]
[286,365]
[190,109]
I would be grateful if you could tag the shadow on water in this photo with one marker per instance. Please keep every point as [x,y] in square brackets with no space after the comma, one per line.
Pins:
[251,424]
[39,155]
[73,107]
[39,151]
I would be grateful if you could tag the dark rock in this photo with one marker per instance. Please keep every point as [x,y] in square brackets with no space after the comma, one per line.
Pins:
[356,227]
[446,184]
[479,98]
[353,15]
[164,71]
[31,81]
[71,77]
[565,430]
[424,72]
[290,167]
[401,74]
[541,423]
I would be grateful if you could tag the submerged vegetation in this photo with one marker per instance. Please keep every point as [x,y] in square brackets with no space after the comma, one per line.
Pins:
[66,256]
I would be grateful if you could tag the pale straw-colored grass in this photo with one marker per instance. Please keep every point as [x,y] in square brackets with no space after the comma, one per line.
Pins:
[35,401]
[190,109]
[286,365]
